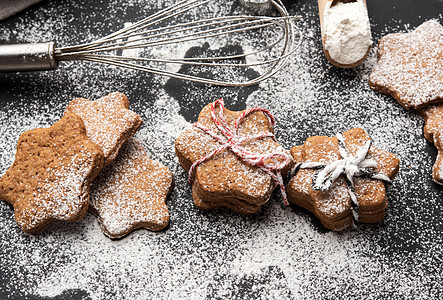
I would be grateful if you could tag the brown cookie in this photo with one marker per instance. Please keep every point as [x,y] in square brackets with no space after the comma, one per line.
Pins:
[433,115]
[342,178]
[109,122]
[410,66]
[222,178]
[131,193]
[50,177]
[437,168]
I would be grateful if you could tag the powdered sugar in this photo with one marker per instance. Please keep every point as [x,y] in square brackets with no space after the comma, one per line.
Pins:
[198,143]
[397,71]
[228,135]
[108,122]
[279,253]
[131,193]
[327,193]
[50,177]
[347,30]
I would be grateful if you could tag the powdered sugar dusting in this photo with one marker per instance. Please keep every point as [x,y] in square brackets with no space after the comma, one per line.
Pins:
[61,196]
[234,154]
[347,30]
[108,122]
[279,253]
[131,193]
[68,184]
[327,194]
[50,177]
[410,65]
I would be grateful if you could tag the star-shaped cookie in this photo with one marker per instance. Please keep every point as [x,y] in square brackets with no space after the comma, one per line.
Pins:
[131,193]
[410,66]
[332,205]
[226,180]
[109,122]
[50,177]
[433,131]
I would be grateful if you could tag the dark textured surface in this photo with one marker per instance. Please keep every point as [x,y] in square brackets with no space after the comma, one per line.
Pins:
[407,242]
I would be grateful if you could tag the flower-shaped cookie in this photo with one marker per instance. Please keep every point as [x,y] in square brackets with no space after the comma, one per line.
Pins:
[410,66]
[342,178]
[233,158]
[433,131]
[50,177]
[109,122]
[131,192]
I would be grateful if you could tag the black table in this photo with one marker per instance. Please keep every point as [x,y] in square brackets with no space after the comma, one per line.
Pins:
[280,252]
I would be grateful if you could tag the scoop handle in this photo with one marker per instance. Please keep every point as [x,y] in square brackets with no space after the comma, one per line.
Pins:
[321,12]
[27,57]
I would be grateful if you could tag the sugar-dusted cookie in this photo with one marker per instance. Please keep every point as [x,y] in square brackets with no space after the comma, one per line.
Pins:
[433,130]
[410,66]
[433,115]
[131,192]
[109,122]
[232,158]
[50,177]
[342,178]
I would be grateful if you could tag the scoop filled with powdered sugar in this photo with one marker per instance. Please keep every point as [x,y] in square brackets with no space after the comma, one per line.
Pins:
[346,32]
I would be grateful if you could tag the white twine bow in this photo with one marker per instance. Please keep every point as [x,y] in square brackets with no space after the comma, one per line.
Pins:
[350,166]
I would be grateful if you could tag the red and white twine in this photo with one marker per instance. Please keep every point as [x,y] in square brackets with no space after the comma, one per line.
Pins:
[271,163]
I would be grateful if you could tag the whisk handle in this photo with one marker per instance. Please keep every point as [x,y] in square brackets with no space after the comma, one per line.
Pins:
[27,57]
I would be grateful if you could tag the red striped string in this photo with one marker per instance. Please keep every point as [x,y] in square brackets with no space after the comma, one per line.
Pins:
[271,163]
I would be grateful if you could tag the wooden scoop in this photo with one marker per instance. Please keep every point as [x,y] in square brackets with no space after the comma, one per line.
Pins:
[321,11]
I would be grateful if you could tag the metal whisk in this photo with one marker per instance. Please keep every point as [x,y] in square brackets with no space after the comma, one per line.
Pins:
[151,32]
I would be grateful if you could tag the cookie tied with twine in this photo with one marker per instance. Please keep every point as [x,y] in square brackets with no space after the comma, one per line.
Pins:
[342,179]
[233,158]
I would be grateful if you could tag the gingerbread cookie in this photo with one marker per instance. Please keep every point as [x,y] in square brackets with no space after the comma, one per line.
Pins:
[109,122]
[433,130]
[433,115]
[341,179]
[232,158]
[50,177]
[131,193]
[410,66]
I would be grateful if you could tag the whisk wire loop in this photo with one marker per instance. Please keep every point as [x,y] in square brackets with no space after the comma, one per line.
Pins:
[151,32]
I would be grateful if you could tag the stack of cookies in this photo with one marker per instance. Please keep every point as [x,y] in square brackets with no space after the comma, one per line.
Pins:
[358,194]
[92,145]
[227,179]
[233,161]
